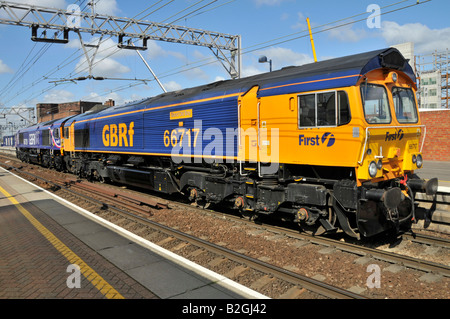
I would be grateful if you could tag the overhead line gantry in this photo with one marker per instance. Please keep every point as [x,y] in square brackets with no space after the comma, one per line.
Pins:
[226,48]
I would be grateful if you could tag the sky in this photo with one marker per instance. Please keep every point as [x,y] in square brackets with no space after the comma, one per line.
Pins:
[274,28]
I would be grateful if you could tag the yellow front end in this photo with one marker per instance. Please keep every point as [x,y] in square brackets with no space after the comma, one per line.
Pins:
[372,129]
[390,152]
[393,133]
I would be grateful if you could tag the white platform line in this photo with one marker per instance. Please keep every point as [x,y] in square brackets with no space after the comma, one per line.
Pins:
[209,274]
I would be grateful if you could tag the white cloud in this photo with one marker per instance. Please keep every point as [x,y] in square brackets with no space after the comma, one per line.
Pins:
[58,96]
[154,50]
[196,74]
[20,14]
[104,64]
[106,7]
[95,97]
[60,4]
[4,68]
[282,57]
[251,70]
[425,40]
[108,67]
[301,22]
[347,33]
[172,86]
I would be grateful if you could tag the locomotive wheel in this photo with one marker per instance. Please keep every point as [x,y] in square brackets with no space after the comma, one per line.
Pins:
[318,229]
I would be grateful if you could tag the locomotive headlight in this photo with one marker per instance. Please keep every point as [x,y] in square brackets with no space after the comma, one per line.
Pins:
[379,164]
[419,161]
[394,77]
[414,159]
[373,169]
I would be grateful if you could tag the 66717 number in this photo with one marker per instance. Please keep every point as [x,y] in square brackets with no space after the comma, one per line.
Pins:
[181,135]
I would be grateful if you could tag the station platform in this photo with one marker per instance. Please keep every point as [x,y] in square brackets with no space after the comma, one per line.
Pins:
[441,170]
[52,249]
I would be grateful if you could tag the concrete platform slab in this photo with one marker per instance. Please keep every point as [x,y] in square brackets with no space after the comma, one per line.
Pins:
[160,273]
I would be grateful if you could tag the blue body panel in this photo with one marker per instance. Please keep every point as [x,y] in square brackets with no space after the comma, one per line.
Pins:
[41,136]
[158,129]
[9,141]
[204,120]
[159,125]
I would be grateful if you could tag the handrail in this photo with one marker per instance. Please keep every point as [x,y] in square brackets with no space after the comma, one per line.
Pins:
[390,127]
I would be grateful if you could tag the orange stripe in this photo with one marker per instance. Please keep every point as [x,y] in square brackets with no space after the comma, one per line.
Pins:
[329,79]
[163,107]
[162,154]
[212,99]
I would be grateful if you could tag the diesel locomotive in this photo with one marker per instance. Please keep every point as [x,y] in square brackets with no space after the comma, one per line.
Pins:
[329,145]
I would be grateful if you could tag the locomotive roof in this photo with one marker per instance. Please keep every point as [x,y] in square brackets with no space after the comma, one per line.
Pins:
[328,74]
[338,72]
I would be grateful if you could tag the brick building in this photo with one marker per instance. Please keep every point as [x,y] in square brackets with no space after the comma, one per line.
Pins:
[437,141]
[52,111]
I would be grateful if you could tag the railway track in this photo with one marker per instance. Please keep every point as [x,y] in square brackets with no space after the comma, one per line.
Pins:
[354,248]
[270,272]
[110,199]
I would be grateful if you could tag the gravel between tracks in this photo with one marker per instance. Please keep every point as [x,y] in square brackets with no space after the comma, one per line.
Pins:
[330,265]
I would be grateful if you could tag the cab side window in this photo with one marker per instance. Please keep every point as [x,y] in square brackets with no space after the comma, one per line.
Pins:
[307,110]
[319,109]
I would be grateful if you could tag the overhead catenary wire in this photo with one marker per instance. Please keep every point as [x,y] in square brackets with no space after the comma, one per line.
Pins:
[157,9]
[266,44]
[286,38]
[146,9]
[296,36]
[18,75]
[116,50]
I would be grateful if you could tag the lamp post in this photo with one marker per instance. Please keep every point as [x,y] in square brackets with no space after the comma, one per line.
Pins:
[263,59]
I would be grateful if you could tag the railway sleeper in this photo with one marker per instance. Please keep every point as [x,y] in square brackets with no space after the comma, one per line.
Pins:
[319,206]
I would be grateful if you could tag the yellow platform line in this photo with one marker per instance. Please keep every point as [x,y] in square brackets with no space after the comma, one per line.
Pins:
[102,285]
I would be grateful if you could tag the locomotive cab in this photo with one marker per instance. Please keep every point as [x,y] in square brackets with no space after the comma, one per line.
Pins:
[391,148]
[355,132]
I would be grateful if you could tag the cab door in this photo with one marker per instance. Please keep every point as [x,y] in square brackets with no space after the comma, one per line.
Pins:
[248,152]
[68,137]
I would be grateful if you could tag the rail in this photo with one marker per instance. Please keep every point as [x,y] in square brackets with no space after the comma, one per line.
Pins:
[305,282]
